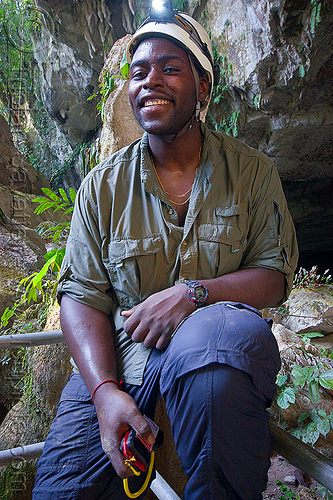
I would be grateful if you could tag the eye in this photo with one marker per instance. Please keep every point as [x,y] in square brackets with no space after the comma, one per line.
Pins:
[171,70]
[138,74]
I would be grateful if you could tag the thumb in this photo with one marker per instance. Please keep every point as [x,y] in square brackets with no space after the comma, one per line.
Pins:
[142,428]
[129,312]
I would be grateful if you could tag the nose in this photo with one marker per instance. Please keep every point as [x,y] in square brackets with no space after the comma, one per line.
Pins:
[153,79]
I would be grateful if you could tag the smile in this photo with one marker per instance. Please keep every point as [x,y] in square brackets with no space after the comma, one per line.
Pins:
[156,102]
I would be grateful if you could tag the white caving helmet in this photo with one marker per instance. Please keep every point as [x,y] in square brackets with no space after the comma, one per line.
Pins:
[186,32]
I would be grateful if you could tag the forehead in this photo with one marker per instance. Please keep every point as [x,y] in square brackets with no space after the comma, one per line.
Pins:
[159,47]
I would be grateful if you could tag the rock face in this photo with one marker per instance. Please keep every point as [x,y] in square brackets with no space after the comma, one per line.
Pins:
[71,53]
[277,62]
[308,310]
[118,111]
[15,171]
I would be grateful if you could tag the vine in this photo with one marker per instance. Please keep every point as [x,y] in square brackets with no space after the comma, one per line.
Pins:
[107,85]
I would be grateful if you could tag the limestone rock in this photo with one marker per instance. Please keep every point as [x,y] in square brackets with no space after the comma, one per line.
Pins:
[67,84]
[15,171]
[308,310]
[120,127]
[70,53]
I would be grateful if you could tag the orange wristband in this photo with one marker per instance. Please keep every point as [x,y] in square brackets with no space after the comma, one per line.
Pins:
[104,382]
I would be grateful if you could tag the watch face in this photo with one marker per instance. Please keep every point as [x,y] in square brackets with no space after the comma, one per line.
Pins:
[200,292]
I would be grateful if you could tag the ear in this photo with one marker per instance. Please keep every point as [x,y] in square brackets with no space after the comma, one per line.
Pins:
[203,89]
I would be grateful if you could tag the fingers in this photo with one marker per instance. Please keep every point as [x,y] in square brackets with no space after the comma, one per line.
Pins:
[116,416]
[151,333]
[142,428]
[118,461]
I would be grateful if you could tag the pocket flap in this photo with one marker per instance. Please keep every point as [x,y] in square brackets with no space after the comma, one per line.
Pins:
[230,210]
[124,248]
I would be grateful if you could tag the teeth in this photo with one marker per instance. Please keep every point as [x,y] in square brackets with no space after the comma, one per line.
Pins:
[155,102]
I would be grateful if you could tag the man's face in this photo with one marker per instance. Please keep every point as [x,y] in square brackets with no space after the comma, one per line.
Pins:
[162,88]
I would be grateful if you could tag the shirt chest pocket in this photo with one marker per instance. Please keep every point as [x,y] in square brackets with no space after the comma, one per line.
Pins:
[136,268]
[222,240]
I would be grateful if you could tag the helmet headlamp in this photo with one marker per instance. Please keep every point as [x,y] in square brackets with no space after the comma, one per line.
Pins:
[160,9]
[162,12]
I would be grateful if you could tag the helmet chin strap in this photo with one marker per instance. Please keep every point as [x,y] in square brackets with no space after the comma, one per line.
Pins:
[197,86]
[196,114]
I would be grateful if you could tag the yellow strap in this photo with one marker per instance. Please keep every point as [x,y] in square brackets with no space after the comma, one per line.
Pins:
[145,484]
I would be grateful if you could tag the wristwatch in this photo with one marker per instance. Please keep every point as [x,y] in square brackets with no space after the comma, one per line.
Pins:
[197,291]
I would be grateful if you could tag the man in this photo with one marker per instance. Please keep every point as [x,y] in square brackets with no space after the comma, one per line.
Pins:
[175,243]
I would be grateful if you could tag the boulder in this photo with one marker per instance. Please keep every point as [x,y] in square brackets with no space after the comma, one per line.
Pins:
[119,126]
[307,310]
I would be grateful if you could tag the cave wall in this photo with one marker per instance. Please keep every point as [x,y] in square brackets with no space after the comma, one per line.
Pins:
[70,52]
[278,69]
[276,59]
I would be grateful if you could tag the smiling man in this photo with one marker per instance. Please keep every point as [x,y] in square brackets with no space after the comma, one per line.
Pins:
[176,242]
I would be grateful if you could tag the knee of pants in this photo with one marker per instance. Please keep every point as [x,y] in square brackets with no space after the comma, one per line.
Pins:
[227,333]
[221,325]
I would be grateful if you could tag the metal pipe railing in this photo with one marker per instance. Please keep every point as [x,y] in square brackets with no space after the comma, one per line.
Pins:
[28,452]
[31,339]
[159,486]
[162,489]
[299,454]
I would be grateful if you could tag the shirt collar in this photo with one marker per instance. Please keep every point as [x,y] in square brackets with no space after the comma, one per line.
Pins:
[148,176]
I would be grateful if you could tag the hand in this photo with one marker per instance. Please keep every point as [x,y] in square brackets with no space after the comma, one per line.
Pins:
[117,412]
[156,318]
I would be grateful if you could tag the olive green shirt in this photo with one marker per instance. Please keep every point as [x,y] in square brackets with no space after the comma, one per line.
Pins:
[125,242]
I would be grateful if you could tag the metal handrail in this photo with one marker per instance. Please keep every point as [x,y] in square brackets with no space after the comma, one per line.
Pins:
[299,454]
[28,452]
[159,486]
[31,339]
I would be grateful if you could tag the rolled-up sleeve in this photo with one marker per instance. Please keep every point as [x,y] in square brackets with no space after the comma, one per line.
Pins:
[271,241]
[83,276]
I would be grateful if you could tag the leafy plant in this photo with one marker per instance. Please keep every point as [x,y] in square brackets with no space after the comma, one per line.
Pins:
[228,121]
[41,286]
[301,71]
[286,492]
[55,202]
[312,425]
[317,423]
[89,156]
[305,279]
[311,376]
[315,15]
[107,85]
